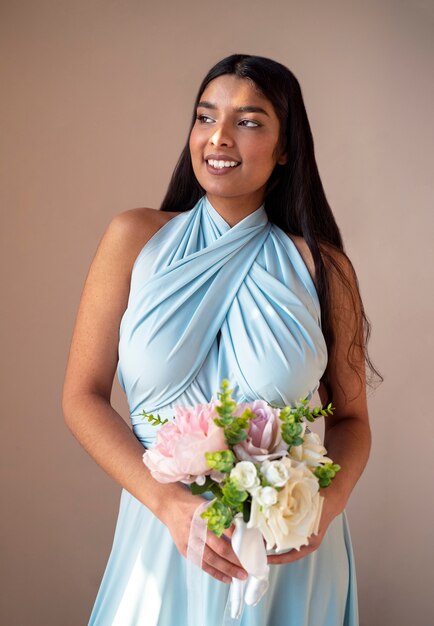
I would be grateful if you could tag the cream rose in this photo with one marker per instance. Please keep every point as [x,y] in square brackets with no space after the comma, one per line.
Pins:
[289,523]
[311,451]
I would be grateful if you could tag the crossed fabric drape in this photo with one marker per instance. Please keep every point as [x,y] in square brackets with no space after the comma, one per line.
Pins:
[208,302]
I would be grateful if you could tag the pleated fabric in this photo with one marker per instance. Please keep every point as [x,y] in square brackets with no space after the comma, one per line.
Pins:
[209,301]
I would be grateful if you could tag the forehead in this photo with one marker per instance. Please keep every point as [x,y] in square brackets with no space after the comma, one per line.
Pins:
[234,91]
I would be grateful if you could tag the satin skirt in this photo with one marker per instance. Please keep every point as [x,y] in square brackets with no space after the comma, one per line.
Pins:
[145,581]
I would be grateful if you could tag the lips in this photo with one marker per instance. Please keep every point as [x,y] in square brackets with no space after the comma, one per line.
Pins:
[221,162]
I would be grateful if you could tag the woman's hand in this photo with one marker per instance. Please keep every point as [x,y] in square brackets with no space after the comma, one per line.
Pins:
[219,559]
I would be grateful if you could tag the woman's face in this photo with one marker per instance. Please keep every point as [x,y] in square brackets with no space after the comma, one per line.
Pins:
[233,143]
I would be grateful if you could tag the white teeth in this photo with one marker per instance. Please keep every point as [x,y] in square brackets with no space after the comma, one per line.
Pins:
[221,164]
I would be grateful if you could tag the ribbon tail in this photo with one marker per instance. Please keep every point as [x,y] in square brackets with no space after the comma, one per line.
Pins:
[195,549]
[236,598]
[248,545]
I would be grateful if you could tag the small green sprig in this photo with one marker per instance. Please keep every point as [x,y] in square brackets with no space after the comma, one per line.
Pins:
[293,418]
[234,427]
[230,501]
[325,473]
[233,496]
[155,421]
[221,461]
[219,517]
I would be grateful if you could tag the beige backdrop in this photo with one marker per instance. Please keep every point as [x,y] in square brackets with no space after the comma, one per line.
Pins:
[95,104]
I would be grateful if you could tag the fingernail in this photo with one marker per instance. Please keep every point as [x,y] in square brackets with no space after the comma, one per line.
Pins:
[242,574]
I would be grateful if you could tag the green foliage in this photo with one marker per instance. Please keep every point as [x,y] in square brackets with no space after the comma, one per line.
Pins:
[222,461]
[230,501]
[219,517]
[247,506]
[233,496]
[155,421]
[227,404]
[235,427]
[325,473]
[209,485]
[293,417]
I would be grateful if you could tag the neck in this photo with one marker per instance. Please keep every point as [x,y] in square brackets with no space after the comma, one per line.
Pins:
[233,210]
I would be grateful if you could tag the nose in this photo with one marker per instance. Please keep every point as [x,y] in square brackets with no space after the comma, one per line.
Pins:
[222,136]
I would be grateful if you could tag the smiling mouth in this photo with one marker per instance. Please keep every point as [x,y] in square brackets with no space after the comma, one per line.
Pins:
[220,165]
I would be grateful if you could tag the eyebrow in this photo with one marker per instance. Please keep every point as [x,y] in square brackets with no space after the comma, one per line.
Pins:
[246,109]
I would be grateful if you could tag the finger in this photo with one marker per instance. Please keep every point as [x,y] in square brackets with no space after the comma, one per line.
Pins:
[229,531]
[291,556]
[224,548]
[217,574]
[216,562]
[288,557]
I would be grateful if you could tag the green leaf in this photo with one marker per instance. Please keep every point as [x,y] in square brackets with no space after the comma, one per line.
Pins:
[233,496]
[293,417]
[325,473]
[155,421]
[291,433]
[247,505]
[235,427]
[222,461]
[219,517]
[197,490]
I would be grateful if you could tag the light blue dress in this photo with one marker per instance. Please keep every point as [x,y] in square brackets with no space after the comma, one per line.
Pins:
[208,302]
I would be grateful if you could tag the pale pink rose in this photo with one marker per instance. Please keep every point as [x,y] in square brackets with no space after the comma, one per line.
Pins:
[179,451]
[264,439]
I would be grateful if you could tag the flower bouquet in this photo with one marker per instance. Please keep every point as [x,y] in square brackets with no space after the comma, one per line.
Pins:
[262,465]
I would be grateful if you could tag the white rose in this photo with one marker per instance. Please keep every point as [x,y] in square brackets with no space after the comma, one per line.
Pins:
[265,496]
[289,523]
[311,451]
[275,472]
[245,475]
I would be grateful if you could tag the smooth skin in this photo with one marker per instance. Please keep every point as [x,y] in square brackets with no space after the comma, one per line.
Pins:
[250,137]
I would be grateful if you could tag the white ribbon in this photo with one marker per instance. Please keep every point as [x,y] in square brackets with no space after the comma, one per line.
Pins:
[248,545]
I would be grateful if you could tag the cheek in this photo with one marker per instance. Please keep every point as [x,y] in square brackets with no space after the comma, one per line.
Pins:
[266,161]
[195,143]
[195,153]
[264,153]
[191,144]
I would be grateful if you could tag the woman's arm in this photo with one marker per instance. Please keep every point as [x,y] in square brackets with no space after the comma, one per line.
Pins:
[347,432]
[88,383]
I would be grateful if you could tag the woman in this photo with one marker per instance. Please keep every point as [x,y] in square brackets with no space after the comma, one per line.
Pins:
[240,275]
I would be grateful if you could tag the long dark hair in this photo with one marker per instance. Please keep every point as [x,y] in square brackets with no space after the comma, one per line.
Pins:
[295,199]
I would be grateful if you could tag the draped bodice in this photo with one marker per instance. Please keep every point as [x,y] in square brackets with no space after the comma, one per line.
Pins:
[209,301]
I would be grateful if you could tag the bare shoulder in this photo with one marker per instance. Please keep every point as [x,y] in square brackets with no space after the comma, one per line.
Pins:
[121,243]
[130,230]
[305,254]
[336,261]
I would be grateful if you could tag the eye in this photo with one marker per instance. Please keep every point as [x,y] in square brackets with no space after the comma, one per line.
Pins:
[249,123]
[204,119]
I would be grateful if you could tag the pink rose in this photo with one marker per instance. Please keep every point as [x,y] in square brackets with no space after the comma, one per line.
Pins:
[264,439]
[179,451]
